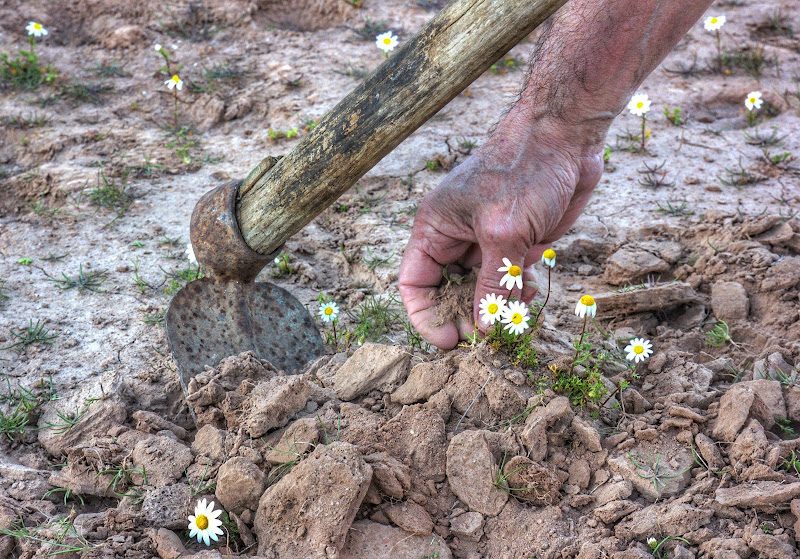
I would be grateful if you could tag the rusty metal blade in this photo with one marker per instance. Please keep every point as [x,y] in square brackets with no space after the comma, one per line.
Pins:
[209,320]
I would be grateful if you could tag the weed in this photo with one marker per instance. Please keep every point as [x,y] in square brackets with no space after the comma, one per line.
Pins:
[86,92]
[787,380]
[122,478]
[778,23]
[22,404]
[652,471]
[580,389]
[654,176]
[433,164]
[32,120]
[68,421]
[24,261]
[112,70]
[414,338]
[792,464]
[703,464]
[155,319]
[522,416]
[508,63]
[25,71]
[84,282]
[110,194]
[177,280]
[764,140]
[201,486]
[779,160]
[500,478]
[674,116]
[3,294]
[55,545]
[356,72]
[68,493]
[146,169]
[739,177]
[683,70]
[355,3]
[788,432]
[210,76]
[655,546]
[282,266]
[370,29]
[197,25]
[374,261]
[35,333]
[374,318]
[676,210]
[140,283]
[466,146]
[719,335]
[519,349]
[750,59]
[278,134]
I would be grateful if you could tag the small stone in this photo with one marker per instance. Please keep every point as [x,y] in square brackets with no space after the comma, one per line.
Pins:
[611,512]
[629,264]
[470,471]
[167,507]
[785,274]
[162,458]
[168,544]
[274,402]
[765,495]
[372,366]
[729,301]
[580,473]
[210,441]
[424,380]
[240,484]
[587,434]
[468,526]
[410,517]
[532,482]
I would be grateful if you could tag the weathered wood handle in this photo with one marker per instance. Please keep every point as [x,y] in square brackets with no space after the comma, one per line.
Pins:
[434,66]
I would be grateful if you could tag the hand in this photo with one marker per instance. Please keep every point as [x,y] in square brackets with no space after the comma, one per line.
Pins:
[514,196]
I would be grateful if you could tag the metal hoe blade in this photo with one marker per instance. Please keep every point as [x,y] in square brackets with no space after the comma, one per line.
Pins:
[226,313]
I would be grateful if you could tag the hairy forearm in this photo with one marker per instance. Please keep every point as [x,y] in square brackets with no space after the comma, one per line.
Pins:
[593,56]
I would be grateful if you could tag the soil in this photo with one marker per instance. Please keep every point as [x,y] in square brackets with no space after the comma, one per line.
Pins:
[389,449]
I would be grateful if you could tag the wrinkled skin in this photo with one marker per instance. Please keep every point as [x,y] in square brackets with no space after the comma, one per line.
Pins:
[512,198]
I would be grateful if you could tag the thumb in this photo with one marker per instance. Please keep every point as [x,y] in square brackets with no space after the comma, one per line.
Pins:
[501,274]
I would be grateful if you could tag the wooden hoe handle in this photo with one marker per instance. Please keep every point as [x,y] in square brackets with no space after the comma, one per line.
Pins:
[434,66]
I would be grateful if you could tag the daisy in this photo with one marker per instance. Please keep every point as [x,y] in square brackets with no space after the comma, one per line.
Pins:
[638,350]
[753,100]
[639,104]
[174,82]
[36,29]
[515,317]
[157,47]
[190,254]
[386,42]
[328,311]
[513,275]
[586,307]
[549,257]
[714,23]
[205,523]
[492,308]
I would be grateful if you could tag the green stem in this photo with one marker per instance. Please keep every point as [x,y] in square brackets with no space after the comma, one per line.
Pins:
[536,322]
[644,138]
[580,343]
[175,114]
[719,51]
[32,42]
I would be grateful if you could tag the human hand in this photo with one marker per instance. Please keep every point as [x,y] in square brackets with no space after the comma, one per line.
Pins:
[514,196]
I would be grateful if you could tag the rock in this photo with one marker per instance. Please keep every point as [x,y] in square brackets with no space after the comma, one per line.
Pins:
[470,471]
[587,434]
[149,422]
[612,491]
[310,510]
[735,406]
[657,476]
[409,516]
[542,419]
[98,420]
[416,436]
[750,446]
[210,441]
[781,234]
[794,506]
[766,496]
[729,301]
[725,548]
[785,274]
[296,440]
[390,476]
[709,452]
[167,507]
[272,403]
[168,544]
[660,296]
[424,380]
[372,366]
[675,519]
[124,36]
[163,459]
[86,524]
[680,552]
[207,111]
[793,403]
[580,473]
[770,546]
[240,484]
[632,553]
[532,482]
[771,394]
[615,510]
[468,526]
[377,541]
[629,264]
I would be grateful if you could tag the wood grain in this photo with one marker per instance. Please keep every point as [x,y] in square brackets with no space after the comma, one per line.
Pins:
[434,66]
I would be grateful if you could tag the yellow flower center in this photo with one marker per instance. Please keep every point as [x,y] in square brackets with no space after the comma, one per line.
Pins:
[549,254]
[639,105]
[516,318]
[514,271]
[493,308]
[329,310]
[37,26]
[387,41]
[713,20]
[752,99]
[175,78]
[587,300]
[201,521]
[638,349]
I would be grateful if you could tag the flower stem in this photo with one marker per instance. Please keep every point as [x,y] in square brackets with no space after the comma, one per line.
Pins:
[32,42]
[580,343]
[719,51]
[175,113]
[536,321]
[644,138]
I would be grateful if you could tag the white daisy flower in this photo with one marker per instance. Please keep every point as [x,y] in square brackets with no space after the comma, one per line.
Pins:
[173,82]
[190,254]
[386,41]
[157,47]
[638,350]
[714,23]
[549,257]
[328,311]
[753,100]
[515,317]
[652,543]
[513,275]
[491,308]
[586,307]
[36,29]
[205,523]
[639,104]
